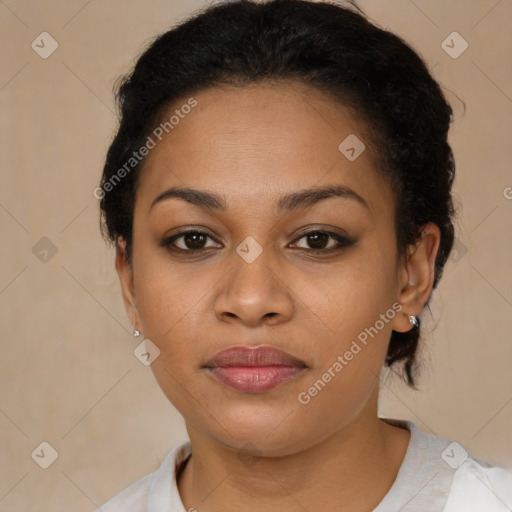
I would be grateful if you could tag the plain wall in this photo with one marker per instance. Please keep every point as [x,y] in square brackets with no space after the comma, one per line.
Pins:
[67,372]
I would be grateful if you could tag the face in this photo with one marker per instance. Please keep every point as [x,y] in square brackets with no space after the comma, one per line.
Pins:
[271,265]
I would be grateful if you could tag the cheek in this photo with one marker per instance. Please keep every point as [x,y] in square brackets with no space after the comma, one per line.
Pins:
[170,311]
[174,306]
[165,293]
[168,304]
[352,297]
[356,309]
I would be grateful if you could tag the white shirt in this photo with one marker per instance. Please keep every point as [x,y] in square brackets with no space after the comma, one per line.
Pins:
[436,475]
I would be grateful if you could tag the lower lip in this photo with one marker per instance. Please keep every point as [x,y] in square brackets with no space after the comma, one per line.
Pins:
[255,379]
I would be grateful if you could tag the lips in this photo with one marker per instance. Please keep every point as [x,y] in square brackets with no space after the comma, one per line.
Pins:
[254,370]
[253,357]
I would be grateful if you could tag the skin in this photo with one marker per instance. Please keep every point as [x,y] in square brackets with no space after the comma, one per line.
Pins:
[250,146]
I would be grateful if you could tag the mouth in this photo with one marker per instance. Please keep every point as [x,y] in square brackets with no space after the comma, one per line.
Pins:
[254,369]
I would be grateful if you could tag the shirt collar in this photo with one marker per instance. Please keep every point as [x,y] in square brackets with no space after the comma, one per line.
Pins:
[163,494]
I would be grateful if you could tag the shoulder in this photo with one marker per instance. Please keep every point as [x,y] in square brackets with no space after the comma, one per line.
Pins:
[438,474]
[479,486]
[157,490]
[475,485]
[132,498]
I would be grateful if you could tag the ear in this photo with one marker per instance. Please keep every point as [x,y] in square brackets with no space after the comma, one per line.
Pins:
[125,273]
[416,276]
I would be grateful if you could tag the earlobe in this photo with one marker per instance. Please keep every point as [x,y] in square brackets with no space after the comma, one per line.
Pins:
[417,277]
[125,274]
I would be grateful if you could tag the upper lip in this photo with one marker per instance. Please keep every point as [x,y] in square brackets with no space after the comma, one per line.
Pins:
[263,355]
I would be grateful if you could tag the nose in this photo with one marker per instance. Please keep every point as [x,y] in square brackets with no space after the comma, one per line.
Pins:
[255,293]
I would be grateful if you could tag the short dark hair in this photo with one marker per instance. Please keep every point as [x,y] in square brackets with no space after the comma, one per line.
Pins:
[333,48]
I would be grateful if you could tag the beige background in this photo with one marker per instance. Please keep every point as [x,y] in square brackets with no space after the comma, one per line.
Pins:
[67,372]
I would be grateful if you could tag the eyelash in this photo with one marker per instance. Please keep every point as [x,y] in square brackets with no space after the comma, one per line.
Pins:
[343,241]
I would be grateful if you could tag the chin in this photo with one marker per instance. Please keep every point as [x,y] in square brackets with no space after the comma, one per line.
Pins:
[270,430]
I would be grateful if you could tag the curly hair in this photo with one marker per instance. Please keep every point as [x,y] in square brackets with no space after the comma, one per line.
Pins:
[324,45]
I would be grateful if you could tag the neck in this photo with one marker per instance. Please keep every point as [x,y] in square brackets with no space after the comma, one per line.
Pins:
[356,466]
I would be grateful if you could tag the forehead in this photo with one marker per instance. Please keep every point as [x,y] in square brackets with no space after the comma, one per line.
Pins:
[255,142]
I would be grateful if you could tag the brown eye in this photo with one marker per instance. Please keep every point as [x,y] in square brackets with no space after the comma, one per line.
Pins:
[324,241]
[194,240]
[188,241]
[317,240]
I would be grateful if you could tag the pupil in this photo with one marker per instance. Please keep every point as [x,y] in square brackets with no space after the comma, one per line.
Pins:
[196,239]
[317,240]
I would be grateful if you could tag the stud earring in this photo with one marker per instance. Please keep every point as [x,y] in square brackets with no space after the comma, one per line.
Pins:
[136,333]
[413,320]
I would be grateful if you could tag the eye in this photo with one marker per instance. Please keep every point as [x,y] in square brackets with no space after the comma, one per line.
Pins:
[188,241]
[325,241]
[196,241]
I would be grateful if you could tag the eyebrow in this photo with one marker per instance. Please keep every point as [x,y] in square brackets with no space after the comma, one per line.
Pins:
[289,202]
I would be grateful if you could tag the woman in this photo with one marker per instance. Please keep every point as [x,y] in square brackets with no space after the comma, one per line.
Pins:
[279,195]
